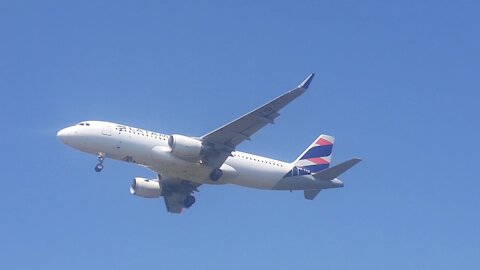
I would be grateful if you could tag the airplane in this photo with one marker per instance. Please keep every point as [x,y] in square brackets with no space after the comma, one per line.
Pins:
[182,163]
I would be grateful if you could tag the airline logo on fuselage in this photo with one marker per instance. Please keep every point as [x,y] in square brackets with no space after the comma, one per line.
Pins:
[139,131]
[297,171]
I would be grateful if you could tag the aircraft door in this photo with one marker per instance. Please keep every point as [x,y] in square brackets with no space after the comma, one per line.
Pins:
[107,130]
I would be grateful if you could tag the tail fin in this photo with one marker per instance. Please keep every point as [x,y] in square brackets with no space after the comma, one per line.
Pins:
[317,156]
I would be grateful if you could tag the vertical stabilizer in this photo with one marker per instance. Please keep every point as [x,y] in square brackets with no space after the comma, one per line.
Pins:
[317,156]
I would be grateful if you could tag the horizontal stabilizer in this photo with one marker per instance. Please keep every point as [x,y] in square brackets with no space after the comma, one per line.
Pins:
[335,171]
[311,194]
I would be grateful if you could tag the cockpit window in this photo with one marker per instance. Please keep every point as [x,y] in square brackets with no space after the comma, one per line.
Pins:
[83,124]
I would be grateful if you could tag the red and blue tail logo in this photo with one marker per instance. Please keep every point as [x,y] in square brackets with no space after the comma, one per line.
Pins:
[315,158]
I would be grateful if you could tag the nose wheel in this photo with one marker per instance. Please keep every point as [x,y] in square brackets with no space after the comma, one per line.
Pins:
[99,166]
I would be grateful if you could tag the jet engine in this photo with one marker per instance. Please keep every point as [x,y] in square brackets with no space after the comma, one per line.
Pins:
[185,147]
[146,188]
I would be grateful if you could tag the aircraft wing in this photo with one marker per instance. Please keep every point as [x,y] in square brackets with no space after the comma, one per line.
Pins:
[173,204]
[175,193]
[224,139]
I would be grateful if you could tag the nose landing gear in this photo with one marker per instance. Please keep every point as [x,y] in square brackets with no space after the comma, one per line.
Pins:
[99,166]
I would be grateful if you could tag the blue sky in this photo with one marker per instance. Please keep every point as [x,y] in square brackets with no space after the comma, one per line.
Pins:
[397,84]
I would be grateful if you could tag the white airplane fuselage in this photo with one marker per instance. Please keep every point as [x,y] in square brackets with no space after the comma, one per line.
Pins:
[151,150]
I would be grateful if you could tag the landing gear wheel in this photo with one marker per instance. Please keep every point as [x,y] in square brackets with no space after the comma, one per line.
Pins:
[216,174]
[99,168]
[189,201]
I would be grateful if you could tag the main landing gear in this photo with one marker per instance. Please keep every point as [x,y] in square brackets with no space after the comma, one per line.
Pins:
[99,166]
[189,201]
[216,174]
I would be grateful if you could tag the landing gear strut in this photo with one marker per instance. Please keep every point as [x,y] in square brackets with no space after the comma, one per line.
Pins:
[189,201]
[216,174]
[99,166]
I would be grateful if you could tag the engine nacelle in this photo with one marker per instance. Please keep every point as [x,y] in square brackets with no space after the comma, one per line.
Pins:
[146,188]
[185,147]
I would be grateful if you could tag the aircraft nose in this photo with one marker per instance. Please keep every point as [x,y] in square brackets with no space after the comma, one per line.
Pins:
[63,134]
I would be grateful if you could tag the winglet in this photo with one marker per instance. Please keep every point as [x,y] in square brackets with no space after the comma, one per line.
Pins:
[306,83]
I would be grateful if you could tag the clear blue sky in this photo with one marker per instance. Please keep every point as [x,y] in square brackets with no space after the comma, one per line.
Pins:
[397,84]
